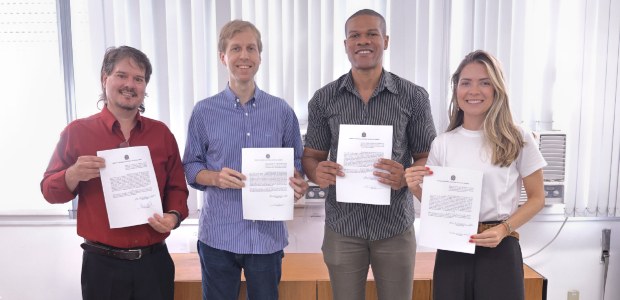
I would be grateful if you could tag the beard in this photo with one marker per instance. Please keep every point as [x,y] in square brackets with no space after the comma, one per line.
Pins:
[121,97]
[128,107]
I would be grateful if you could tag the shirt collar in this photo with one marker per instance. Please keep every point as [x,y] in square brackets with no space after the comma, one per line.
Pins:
[230,95]
[385,82]
[109,120]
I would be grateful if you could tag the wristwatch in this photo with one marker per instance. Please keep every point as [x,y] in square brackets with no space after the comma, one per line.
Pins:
[176,213]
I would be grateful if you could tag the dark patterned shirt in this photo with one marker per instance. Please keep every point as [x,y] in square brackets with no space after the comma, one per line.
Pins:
[395,102]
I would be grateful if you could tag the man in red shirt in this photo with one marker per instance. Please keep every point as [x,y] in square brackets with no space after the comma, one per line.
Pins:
[130,262]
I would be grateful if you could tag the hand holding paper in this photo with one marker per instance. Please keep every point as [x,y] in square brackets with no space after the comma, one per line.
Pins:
[230,179]
[414,176]
[129,186]
[359,148]
[450,209]
[299,185]
[392,175]
[327,172]
[163,223]
[490,237]
[85,168]
[267,194]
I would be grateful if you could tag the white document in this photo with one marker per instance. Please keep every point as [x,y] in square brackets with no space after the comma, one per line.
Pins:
[129,186]
[359,148]
[267,195]
[450,209]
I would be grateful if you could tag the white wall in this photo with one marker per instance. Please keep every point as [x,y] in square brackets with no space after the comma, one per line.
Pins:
[40,262]
[572,261]
[43,261]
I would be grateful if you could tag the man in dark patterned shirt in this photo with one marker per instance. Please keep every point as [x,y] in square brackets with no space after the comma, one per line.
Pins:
[358,235]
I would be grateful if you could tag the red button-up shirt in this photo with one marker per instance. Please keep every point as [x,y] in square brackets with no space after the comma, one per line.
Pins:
[102,132]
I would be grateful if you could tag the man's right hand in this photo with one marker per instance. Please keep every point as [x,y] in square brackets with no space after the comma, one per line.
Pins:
[229,179]
[318,169]
[326,173]
[84,169]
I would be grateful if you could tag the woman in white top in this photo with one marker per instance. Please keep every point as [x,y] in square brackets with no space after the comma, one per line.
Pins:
[483,136]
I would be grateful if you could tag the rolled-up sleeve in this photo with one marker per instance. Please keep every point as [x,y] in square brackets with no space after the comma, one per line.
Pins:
[195,150]
[53,186]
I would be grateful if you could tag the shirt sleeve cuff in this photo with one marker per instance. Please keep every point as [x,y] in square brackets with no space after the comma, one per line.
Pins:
[191,171]
[55,189]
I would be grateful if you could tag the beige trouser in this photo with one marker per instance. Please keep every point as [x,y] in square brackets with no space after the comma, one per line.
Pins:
[392,261]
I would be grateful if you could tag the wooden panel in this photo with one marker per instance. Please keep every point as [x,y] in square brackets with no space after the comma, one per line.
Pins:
[187,276]
[323,290]
[305,276]
[299,275]
[422,289]
[533,284]
[187,290]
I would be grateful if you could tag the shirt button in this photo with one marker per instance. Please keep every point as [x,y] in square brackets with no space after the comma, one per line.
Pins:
[246,114]
[248,134]
[253,104]
[237,100]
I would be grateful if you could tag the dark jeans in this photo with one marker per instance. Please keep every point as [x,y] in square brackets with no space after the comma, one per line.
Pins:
[106,278]
[221,274]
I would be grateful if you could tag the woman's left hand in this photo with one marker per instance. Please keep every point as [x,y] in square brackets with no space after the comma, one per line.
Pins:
[491,237]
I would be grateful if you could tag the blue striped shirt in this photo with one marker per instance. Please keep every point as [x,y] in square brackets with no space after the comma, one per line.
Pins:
[218,129]
[395,102]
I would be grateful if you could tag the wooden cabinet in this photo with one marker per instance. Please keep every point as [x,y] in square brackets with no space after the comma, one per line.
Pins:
[305,277]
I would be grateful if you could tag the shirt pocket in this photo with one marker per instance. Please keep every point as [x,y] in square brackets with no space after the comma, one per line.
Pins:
[270,135]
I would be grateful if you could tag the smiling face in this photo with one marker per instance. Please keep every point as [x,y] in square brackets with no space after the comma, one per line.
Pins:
[242,57]
[475,94]
[125,86]
[365,42]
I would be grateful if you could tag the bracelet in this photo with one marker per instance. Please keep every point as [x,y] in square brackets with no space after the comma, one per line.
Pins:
[178,215]
[508,227]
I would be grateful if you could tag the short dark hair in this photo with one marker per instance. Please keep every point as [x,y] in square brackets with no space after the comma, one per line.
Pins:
[367,12]
[115,54]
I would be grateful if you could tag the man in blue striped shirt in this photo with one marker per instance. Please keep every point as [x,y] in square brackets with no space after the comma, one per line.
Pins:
[241,116]
[357,235]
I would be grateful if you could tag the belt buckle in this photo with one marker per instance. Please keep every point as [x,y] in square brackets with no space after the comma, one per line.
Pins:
[139,251]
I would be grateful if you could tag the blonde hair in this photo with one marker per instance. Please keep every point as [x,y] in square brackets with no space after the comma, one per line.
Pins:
[503,137]
[233,27]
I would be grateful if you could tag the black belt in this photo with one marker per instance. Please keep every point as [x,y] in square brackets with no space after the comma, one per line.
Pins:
[126,254]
